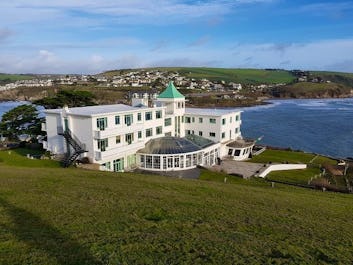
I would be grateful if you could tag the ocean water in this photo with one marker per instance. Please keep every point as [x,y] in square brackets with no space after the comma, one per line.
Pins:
[323,126]
[8,105]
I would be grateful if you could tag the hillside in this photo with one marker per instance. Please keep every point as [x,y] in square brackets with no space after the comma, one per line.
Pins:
[8,78]
[244,76]
[312,90]
[72,216]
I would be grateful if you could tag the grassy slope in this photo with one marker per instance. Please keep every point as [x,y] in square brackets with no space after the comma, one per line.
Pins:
[293,176]
[244,76]
[11,78]
[71,216]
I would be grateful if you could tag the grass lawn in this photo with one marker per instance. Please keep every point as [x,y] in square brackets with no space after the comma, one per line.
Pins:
[73,216]
[16,157]
[293,176]
[280,156]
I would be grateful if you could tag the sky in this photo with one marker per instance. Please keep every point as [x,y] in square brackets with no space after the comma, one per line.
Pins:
[91,36]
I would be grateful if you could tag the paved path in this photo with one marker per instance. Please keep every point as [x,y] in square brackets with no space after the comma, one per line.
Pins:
[244,169]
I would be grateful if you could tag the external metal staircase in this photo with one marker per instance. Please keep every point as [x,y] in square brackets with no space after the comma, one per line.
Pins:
[78,148]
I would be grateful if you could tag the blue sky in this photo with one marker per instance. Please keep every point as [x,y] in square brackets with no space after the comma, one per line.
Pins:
[91,36]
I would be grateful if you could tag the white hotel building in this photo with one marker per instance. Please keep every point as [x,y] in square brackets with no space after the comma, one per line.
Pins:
[164,137]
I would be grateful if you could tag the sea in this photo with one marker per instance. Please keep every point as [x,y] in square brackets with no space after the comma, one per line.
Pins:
[322,126]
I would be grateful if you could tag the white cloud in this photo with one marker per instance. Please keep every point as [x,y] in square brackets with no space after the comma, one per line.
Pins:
[321,55]
[95,12]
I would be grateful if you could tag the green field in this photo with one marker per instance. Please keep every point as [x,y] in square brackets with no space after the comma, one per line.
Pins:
[280,156]
[73,216]
[8,78]
[301,177]
[244,76]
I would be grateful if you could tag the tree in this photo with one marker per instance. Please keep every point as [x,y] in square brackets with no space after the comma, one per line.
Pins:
[20,120]
[71,98]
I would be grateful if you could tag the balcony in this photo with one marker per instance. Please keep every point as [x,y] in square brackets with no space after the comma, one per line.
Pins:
[120,150]
[110,132]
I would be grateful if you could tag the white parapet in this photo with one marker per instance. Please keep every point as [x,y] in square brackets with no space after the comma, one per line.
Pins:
[281,167]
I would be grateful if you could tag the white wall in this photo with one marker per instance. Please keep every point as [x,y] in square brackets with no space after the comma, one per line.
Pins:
[56,143]
[218,128]
[280,167]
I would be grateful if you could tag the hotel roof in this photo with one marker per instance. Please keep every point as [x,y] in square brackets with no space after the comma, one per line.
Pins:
[171,92]
[96,110]
[210,112]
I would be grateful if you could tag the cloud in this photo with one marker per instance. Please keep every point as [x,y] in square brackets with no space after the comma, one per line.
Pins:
[334,9]
[200,41]
[96,13]
[123,12]
[333,55]
[343,66]
[5,34]
[159,45]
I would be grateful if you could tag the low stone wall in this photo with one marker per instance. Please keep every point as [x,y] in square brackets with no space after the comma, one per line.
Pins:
[280,167]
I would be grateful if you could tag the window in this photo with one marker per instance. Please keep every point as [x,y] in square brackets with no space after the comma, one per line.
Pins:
[223,121]
[149,132]
[236,130]
[182,119]
[212,134]
[118,164]
[230,120]
[187,120]
[102,123]
[159,130]
[118,139]
[128,119]
[129,138]
[106,166]
[102,144]
[168,122]
[212,120]
[200,133]
[117,120]
[188,132]
[193,119]
[148,116]
[148,161]
[230,151]
[139,116]
[139,134]
[156,162]
[223,135]
[158,114]
[200,120]
[237,117]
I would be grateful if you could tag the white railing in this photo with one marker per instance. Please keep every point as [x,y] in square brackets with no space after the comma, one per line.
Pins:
[281,167]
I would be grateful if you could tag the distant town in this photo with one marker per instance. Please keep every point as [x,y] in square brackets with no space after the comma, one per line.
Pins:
[148,78]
